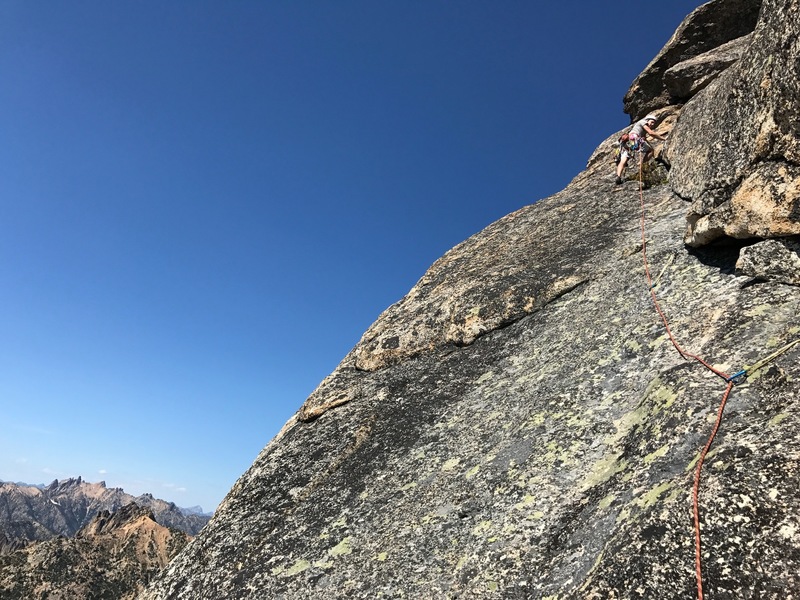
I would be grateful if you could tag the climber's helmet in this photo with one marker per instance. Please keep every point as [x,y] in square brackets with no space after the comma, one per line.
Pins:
[649,118]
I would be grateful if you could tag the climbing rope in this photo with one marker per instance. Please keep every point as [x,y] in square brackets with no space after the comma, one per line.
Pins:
[731,380]
[759,364]
[686,355]
[651,286]
[664,269]
[696,490]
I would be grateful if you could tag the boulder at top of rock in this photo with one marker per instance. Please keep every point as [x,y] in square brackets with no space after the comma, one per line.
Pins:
[709,26]
[735,150]
[687,78]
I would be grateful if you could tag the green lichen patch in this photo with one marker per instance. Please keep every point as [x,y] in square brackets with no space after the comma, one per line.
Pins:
[602,470]
[297,568]
[656,454]
[451,464]
[341,548]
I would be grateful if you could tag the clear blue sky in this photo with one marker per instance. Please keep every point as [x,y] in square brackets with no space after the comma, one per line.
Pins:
[203,205]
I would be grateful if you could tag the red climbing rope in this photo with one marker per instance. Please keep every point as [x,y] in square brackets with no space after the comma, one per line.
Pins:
[651,286]
[696,491]
[686,355]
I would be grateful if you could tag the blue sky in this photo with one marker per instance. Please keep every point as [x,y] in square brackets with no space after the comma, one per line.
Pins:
[203,205]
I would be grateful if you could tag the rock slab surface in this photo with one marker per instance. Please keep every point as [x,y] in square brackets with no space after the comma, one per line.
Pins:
[520,424]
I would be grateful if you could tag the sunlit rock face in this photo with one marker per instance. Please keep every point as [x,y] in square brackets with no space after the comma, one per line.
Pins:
[777,260]
[690,76]
[701,47]
[736,148]
[520,426]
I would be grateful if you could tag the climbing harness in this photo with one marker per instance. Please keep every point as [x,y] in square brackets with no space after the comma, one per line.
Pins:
[628,145]
[731,381]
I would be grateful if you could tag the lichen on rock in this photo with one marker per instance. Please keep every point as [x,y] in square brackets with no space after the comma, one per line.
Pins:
[520,424]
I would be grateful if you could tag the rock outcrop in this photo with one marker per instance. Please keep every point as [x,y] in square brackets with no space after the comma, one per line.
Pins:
[690,76]
[707,30]
[736,148]
[777,260]
[114,556]
[520,424]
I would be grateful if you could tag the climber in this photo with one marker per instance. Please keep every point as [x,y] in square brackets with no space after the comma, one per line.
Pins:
[636,142]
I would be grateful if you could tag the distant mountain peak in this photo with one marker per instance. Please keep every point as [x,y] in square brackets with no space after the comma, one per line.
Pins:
[65,506]
[112,556]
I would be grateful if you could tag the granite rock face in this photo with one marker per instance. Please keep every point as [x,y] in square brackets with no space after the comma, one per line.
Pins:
[707,29]
[520,425]
[775,260]
[687,78]
[735,150]
[550,457]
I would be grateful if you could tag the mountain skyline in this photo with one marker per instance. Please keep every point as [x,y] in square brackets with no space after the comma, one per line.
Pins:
[186,510]
[61,508]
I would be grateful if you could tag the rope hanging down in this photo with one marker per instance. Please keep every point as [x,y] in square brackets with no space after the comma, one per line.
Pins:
[686,355]
[730,380]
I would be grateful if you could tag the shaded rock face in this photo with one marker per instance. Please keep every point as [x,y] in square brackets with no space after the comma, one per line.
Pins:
[113,557]
[708,29]
[736,148]
[687,78]
[520,426]
[772,260]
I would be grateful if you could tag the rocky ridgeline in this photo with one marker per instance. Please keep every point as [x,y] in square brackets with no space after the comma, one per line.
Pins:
[520,426]
[74,539]
[35,513]
[114,556]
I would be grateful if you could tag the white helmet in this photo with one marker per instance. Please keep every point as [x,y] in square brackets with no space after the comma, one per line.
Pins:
[650,118]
